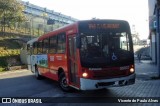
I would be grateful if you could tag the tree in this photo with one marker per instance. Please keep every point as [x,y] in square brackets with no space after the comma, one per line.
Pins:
[11,12]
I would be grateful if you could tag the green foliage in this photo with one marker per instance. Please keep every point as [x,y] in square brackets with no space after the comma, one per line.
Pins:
[2,69]
[3,62]
[9,52]
[8,48]
[11,12]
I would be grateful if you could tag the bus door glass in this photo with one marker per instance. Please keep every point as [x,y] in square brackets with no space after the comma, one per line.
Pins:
[73,69]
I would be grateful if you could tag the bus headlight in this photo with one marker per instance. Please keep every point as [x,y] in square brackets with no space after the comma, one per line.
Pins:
[131,70]
[85,74]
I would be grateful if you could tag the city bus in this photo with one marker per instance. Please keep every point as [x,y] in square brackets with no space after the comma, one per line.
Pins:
[85,55]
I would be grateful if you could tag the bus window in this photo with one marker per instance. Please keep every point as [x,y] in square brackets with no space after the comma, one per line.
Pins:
[124,42]
[45,45]
[35,48]
[39,47]
[53,44]
[61,43]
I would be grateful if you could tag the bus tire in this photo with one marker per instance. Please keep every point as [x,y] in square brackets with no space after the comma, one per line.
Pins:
[63,83]
[38,76]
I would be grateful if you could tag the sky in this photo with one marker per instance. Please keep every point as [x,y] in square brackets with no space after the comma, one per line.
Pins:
[134,11]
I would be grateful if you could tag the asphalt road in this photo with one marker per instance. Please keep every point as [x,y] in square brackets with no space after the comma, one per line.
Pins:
[24,84]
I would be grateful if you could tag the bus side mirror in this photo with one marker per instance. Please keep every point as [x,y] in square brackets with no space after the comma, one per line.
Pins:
[78,42]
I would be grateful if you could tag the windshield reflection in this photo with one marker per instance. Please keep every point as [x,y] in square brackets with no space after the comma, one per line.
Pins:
[99,48]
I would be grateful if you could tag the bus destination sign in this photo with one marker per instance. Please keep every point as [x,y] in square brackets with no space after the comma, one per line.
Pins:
[103,26]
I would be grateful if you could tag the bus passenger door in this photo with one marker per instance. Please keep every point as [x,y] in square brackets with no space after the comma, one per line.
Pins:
[73,67]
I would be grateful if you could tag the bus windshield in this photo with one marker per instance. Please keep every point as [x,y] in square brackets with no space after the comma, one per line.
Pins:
[104,49]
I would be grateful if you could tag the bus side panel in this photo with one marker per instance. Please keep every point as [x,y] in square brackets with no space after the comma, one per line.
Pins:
[57,61]
[42,63]
[40,69]
[52,68]
[46,73]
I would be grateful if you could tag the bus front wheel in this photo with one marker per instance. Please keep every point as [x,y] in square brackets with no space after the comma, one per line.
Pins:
[63,83]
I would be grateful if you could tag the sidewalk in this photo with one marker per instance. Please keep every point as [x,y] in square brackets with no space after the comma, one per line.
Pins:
[145,70]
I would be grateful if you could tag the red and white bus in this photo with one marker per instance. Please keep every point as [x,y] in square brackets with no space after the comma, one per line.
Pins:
[86,55]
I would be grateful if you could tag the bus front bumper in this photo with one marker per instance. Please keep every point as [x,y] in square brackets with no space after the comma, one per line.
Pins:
[90,84]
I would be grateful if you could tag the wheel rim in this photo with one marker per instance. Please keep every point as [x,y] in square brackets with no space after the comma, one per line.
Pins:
[64,82]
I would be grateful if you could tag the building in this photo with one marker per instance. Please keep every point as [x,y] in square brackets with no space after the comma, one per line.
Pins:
[31,9]
[42,20]
[154,25]
[152,29]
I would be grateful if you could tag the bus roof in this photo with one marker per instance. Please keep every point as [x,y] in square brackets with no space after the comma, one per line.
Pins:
[32,40]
